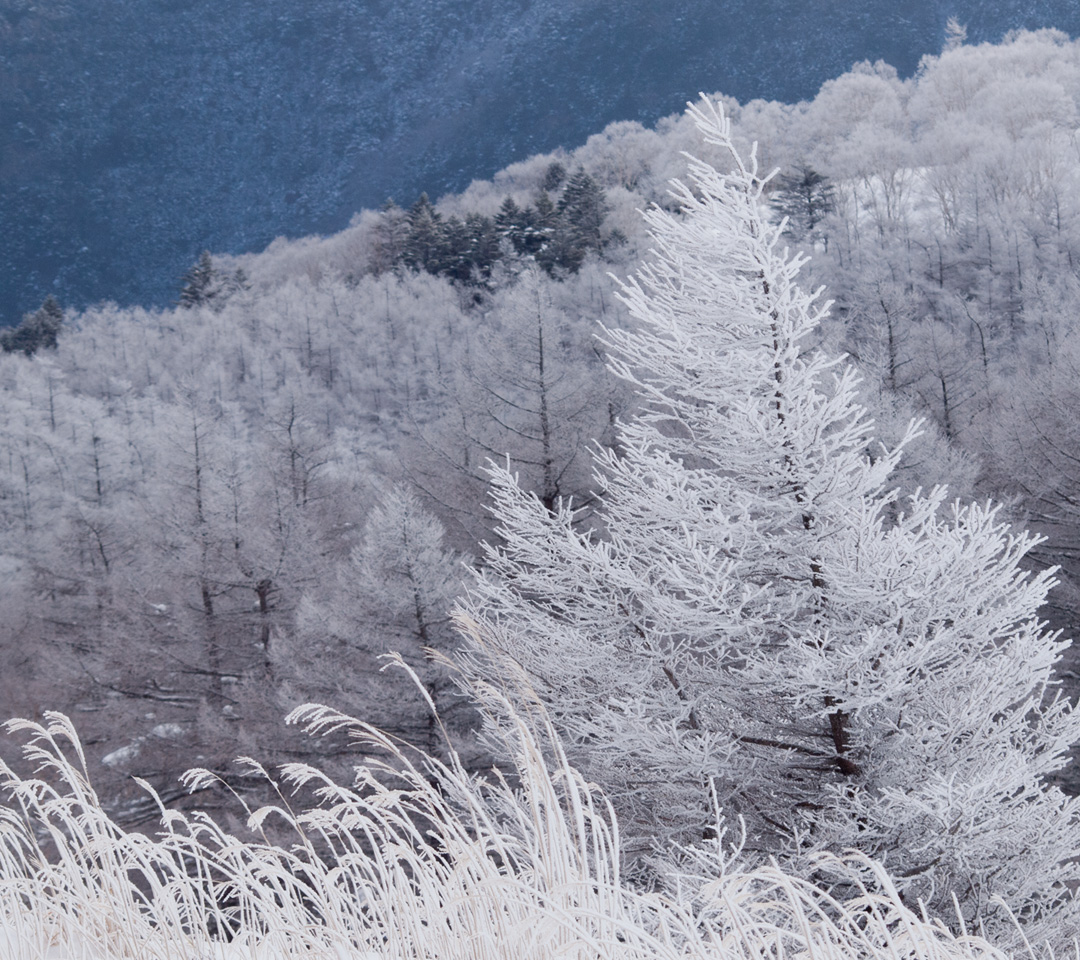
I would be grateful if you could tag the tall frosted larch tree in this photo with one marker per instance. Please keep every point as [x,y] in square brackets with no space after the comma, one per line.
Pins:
[758,625]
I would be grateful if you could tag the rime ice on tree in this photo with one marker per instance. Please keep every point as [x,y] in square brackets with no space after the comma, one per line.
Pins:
[760,620]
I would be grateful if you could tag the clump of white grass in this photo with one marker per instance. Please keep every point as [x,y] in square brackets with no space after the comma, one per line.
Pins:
[416,859]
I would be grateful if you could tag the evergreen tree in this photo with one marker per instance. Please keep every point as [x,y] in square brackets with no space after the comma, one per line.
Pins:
[471,248]
[425,246]
[583,207]
[805,197]
[454,259]
[549,239]
[36,330]
[509,225]
[554,177]
[390,237]
[760,626]
[201,283]
[546,218]
[484,243]
[48,319]
[573,227]
[519,226]
[235,282]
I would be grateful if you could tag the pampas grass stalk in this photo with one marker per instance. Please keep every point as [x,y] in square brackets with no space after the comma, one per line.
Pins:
[415,860]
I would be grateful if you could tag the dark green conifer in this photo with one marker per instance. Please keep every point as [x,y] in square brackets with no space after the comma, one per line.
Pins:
[454,259]
[484,250]
[508,222]
[805,197]
[582,208]
[426,241]
[391,235]
[36,330]
[522,227]
[554,177]
[201,284]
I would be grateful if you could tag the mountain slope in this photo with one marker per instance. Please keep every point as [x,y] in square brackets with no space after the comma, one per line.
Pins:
[134,133]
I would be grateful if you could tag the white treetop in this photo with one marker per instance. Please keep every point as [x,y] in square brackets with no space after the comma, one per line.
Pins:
[761,625]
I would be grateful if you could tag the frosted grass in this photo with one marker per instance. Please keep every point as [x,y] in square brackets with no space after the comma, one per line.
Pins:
[414,859]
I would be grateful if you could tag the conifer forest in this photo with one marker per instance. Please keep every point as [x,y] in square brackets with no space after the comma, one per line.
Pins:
[666,547]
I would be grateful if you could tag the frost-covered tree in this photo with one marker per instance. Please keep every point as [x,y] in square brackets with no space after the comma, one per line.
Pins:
[528,384]
[405,582]
[759,624]
[393,596]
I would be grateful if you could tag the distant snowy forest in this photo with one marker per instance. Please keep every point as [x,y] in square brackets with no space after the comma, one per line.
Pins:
[214,513]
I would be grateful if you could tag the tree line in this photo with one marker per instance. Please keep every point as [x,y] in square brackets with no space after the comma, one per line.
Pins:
[558,230]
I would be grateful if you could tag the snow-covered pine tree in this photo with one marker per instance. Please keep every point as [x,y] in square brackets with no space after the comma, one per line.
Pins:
[761,625]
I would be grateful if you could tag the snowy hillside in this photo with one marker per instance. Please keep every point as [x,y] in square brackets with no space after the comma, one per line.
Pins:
[134,133]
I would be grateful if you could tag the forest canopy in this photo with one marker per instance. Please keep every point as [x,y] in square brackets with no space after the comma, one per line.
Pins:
[213,513]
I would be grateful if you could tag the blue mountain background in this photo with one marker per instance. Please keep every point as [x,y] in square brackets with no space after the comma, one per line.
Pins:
[135,133]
